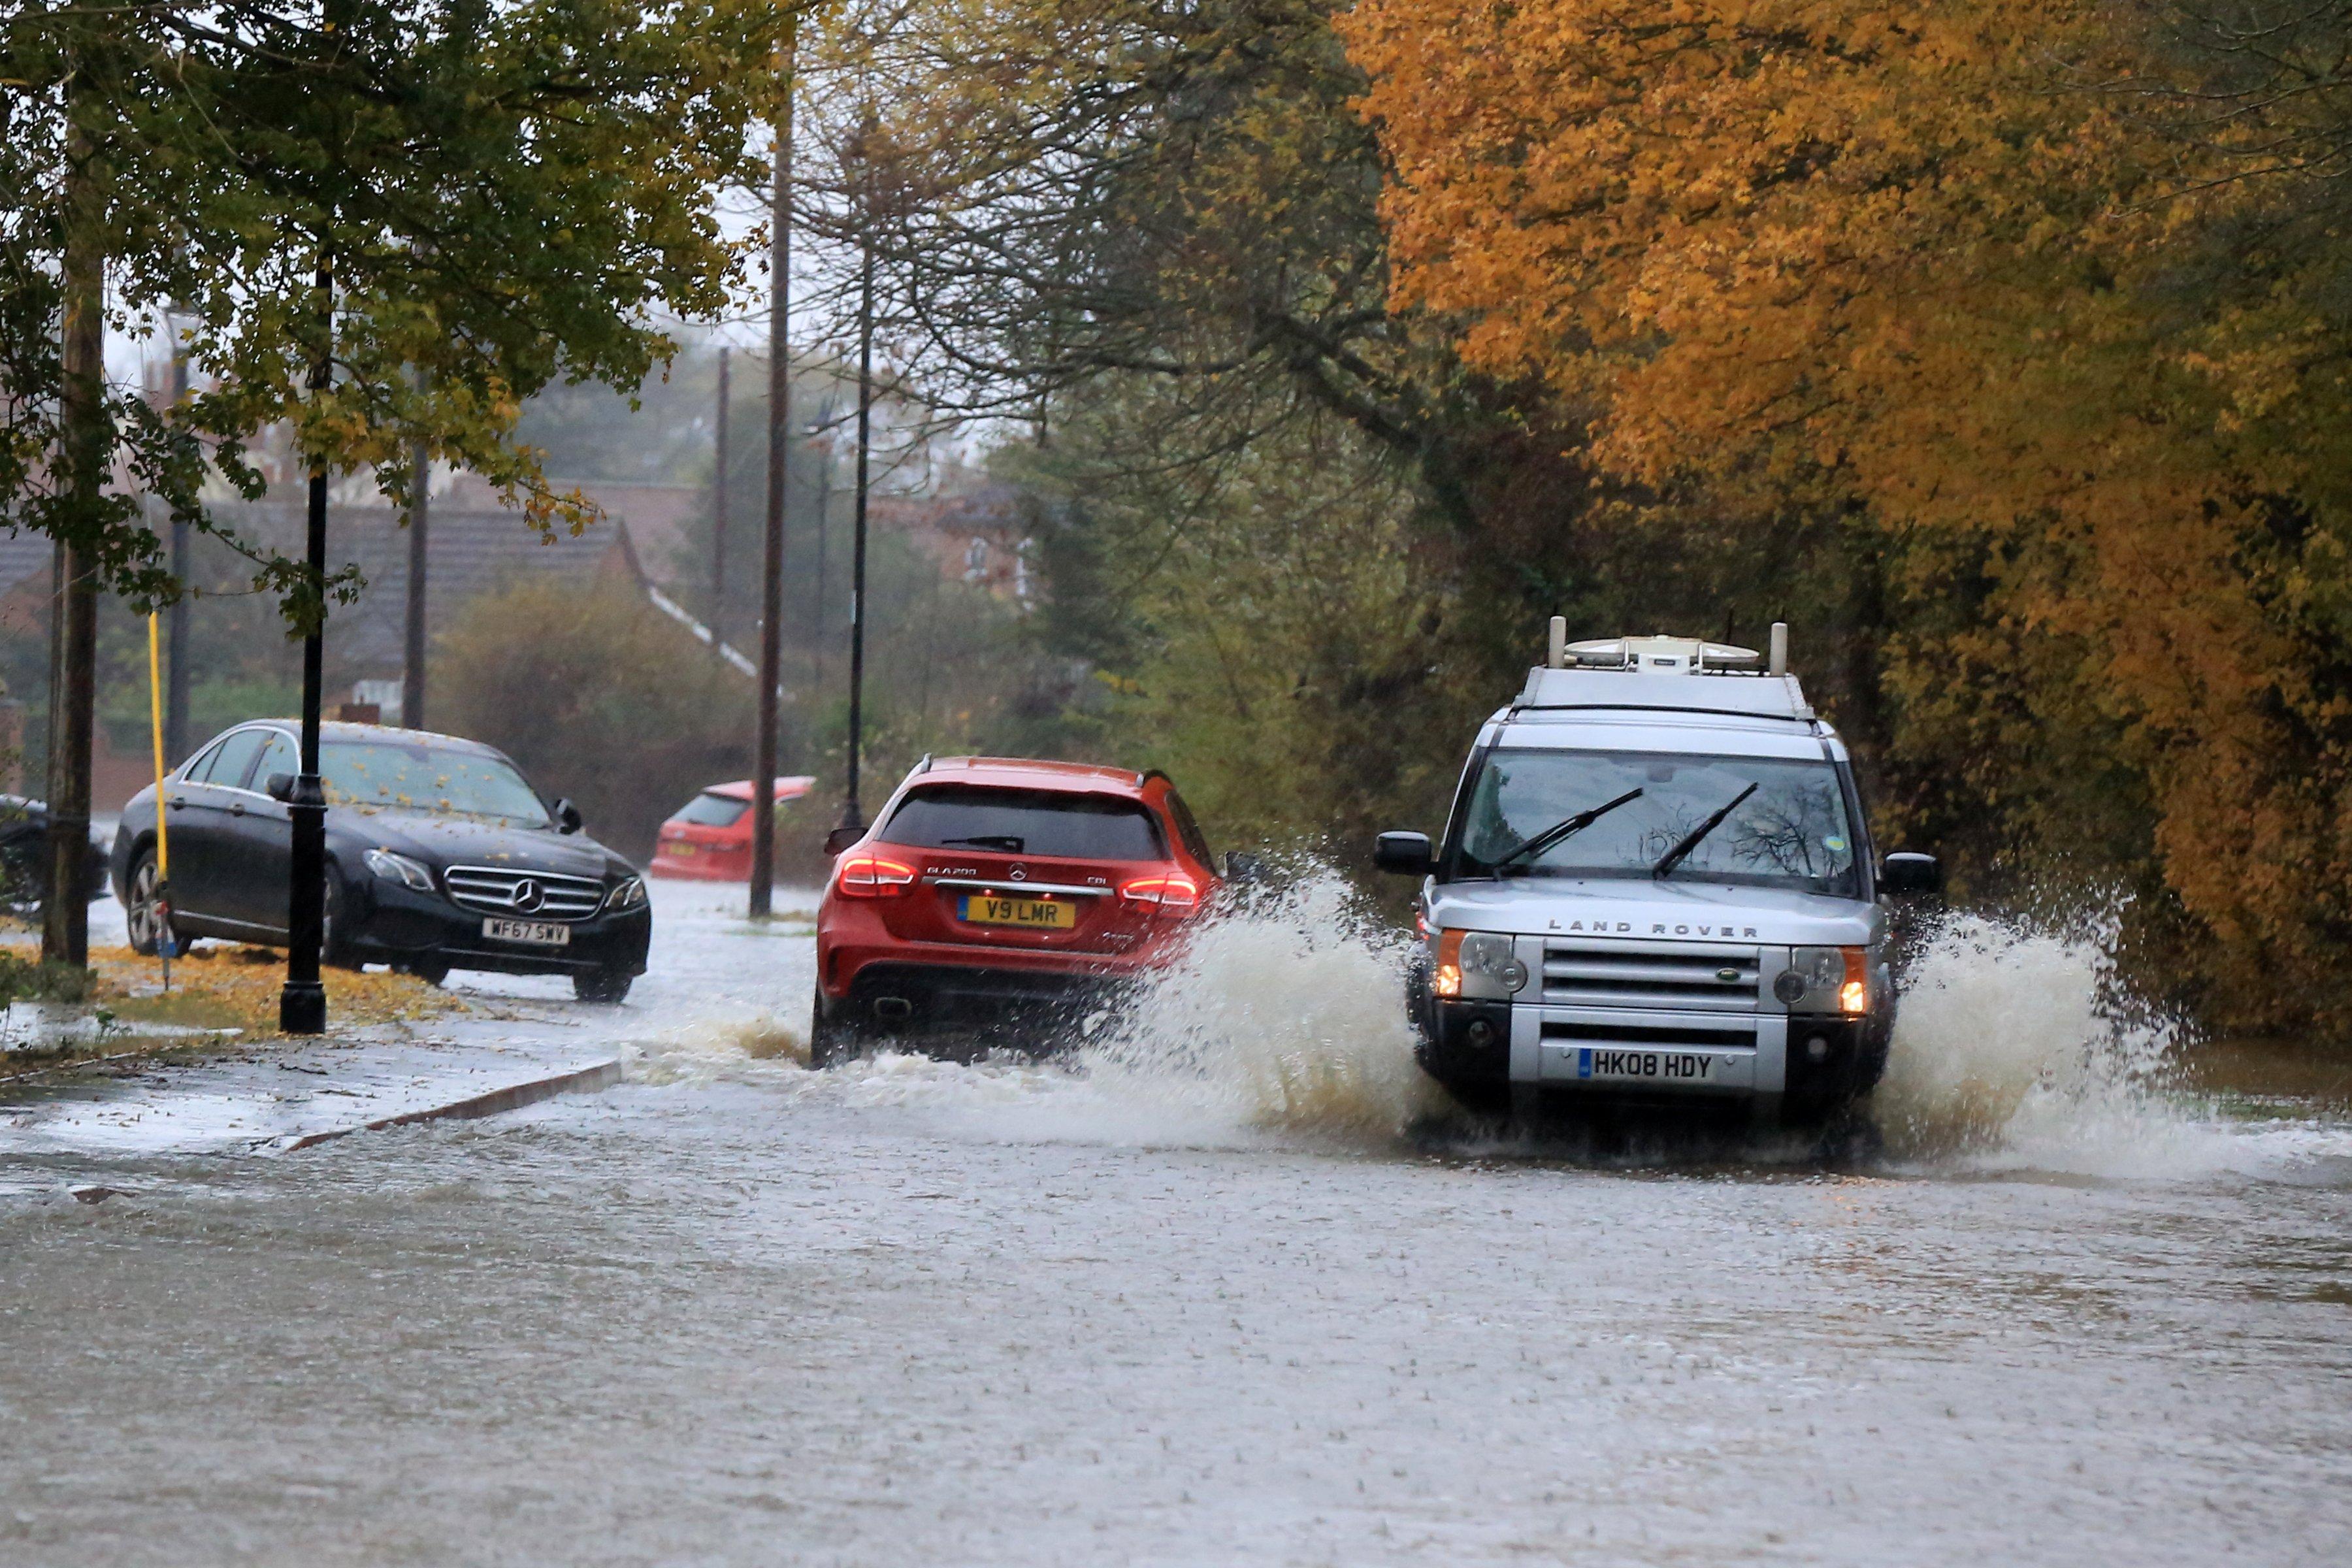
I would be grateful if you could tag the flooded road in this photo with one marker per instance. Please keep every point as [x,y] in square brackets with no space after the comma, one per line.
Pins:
[1231,1289]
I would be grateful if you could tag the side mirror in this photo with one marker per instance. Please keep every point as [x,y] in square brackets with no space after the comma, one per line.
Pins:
[841,838]
[1906,873]
[1243,870]
[279,787]
[1406,854]
[567,816]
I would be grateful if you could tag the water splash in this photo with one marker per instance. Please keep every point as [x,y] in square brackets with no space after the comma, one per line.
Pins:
[1286,1013]
[2019,1049]
[1283,1020]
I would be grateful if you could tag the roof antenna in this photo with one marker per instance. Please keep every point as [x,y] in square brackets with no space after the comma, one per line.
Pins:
[1779,664]
[1556,653]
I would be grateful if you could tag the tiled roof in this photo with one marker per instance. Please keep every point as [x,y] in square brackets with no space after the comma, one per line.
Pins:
[469,554]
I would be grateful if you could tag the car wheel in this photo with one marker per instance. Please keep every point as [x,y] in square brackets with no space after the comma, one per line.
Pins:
[432,970]
[831,1039]
[602,984]
[334,939]
[143,912]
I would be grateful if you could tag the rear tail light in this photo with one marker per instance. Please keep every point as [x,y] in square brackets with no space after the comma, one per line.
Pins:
[872,876]
[1175,892]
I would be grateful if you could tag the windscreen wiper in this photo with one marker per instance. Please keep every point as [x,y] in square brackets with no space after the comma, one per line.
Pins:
[1558,832]
[1010,843]
[1680,852]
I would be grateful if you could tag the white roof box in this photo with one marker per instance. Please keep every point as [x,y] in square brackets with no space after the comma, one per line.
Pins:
[1681,674]
[1659,653]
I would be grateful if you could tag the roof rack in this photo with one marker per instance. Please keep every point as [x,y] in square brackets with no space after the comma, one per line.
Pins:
[1657,672]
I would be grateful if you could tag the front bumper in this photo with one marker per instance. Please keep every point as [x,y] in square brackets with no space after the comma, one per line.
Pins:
[1803,1065]
[391,923]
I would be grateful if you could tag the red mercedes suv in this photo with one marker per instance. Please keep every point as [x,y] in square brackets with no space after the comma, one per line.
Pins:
[1002,896]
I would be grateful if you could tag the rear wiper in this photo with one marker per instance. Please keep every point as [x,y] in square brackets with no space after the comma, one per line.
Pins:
[1681,852]
[1010,843]
[1560,832]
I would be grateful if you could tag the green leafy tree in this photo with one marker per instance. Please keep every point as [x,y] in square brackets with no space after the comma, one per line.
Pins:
[448,204]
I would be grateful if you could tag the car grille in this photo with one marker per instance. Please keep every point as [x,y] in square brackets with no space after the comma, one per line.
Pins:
[530,895]
[1650,974]
[1587,1032]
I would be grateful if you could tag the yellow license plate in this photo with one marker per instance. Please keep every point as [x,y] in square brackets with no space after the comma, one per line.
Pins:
[681,849]
[1043,914]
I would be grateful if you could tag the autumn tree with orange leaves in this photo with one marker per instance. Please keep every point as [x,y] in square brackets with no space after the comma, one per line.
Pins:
[2052,295]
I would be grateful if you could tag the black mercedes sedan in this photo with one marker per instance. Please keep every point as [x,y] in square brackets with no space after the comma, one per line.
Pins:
[439,857]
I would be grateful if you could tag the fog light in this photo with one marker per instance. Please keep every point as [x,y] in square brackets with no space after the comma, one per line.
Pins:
[1818,1048]
[1480,1032]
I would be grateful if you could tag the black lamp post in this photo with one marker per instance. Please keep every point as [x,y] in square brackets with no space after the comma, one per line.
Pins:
[302,1003]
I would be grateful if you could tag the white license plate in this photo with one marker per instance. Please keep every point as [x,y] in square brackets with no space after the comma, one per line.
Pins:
[1608,1064]
[541,933]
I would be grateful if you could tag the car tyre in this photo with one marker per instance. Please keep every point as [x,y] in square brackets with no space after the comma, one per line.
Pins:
[831,1038]
[432,970]
[140,911]
[334,939]
[606,985]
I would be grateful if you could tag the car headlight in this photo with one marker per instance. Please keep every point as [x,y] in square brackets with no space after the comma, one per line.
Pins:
[1825,980]
[1477,965]
[391,867]
[626,895]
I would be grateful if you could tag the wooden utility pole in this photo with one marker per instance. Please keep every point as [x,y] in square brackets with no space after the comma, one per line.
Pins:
[771,566]
[823,510]
[73,612]
[853,813]
[175,675]
[719,515]
[412,663]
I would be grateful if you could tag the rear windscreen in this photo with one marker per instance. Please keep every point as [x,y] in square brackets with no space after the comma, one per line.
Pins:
[1025,822]
[713,811]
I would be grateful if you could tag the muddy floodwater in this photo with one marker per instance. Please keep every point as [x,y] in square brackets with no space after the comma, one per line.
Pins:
[1229,1288]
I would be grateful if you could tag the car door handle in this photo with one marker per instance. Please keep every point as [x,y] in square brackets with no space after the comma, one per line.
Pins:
[178,801]
[237,808]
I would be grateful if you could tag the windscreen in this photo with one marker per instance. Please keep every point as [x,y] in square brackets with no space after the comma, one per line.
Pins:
[427,778]
[1025,822]
[1792,830]
[713,811]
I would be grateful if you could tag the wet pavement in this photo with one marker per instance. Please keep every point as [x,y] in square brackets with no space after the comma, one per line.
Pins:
[1231,1288]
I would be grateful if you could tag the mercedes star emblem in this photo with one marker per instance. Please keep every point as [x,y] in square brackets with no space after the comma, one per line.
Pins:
[526,895]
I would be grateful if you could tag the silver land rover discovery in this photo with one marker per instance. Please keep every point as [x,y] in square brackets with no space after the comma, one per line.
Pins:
[1656,885]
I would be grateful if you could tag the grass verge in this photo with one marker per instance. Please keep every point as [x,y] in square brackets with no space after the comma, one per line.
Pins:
[214,988]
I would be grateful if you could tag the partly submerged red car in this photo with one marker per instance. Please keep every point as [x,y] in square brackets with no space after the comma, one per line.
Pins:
[1002,895]
[709,837]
